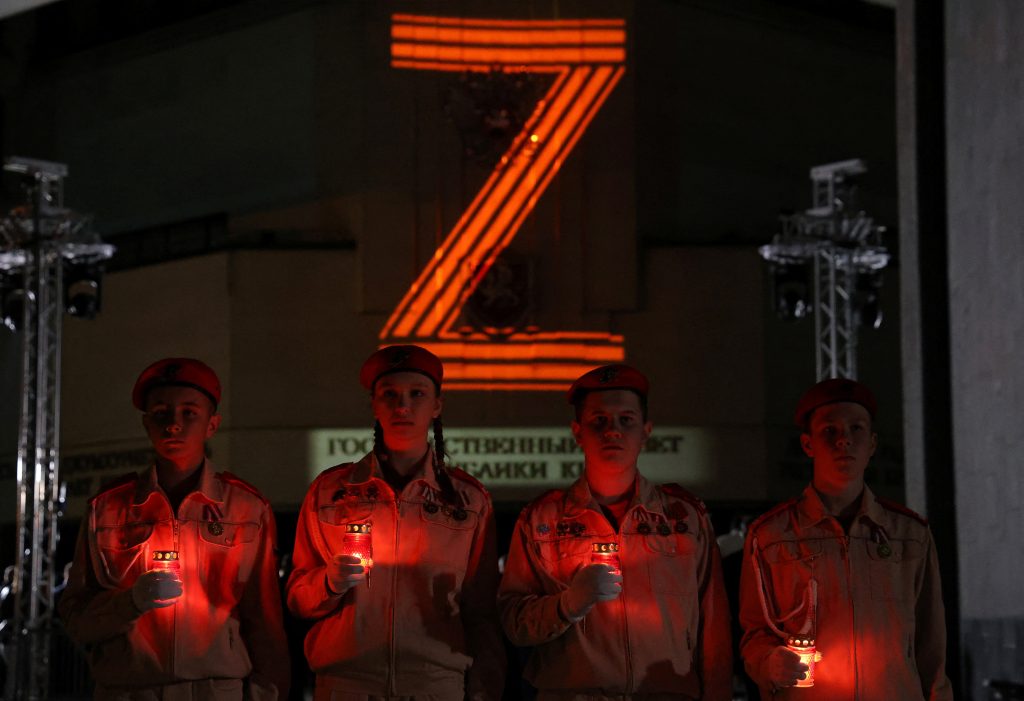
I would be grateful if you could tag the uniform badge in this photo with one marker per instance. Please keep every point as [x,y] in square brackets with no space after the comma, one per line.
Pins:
[884,551]
[215,527]
[543,529]
[607,375]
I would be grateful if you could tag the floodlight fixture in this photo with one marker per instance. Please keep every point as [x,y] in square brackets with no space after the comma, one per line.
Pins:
[842,246]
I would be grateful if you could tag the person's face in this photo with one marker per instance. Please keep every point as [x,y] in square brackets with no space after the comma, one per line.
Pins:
[841,443]
[611,429]
[179,421]
[406,404]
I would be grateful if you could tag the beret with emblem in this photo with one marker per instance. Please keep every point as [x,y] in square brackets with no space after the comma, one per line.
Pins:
[177,372]
[401,359]
[609,377]
[831,392]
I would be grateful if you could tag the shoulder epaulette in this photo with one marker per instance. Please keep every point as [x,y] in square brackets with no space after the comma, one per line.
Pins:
[680,492]
[237,481]
[115,484]
[756,523]
[901,509]
[335,468]
[549,495]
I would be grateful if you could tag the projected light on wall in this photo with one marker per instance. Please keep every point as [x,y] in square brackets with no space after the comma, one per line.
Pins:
[587,58]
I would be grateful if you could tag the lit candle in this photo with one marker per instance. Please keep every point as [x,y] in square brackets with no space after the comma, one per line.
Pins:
[805,648]
[167,561]
[358,542]
[606,554]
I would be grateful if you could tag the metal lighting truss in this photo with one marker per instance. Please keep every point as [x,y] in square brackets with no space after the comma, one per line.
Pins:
[840,245]
[37,240]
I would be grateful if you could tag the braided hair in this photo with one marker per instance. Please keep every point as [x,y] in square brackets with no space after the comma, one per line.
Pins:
[444,480]
[439,452]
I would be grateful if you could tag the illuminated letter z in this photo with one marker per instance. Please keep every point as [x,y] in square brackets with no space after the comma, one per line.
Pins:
[588,58]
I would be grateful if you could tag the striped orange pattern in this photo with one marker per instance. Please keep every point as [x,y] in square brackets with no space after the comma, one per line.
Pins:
[588,56]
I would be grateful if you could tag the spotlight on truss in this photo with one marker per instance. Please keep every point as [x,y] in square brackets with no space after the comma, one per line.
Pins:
[842,248]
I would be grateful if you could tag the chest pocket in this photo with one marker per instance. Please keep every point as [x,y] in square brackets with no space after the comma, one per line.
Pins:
[671,557]
[226,535]
[792,552]
[561,556]
[345,511]
[448,533]
[892,568]
[123,551]
[225,558]
[789,566]
[334,516]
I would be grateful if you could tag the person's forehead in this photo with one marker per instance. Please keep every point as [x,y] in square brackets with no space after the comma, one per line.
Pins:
[840,411]
[611,399]
[175,394]
[405,379]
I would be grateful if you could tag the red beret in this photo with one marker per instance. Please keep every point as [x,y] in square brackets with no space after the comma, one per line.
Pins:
[609,377]
[401,359]
[830,392]
[178,372]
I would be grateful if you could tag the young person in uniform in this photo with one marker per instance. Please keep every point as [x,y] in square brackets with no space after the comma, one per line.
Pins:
[652,623]
[173,591]
[414,619]
[854,573]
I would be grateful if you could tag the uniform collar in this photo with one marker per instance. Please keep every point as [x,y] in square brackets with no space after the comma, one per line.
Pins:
[811,510]
[209,487]
[579,498]
[872,510]
[369,468]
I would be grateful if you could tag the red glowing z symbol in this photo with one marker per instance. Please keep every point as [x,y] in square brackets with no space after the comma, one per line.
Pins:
[587,57]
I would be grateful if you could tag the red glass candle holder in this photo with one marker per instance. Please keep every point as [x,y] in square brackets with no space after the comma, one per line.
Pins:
[167,561]
[358,542]
[808,653]
[606,554]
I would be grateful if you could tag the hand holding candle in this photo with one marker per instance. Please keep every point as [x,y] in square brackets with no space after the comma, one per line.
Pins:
[352,565]
[808,654]
[344,572]
[160,586]
[590,585]
[786,668]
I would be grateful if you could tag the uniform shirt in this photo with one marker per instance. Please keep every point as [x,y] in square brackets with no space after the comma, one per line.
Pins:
[879,626]
[225,627]
[666,633]
[423,621]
